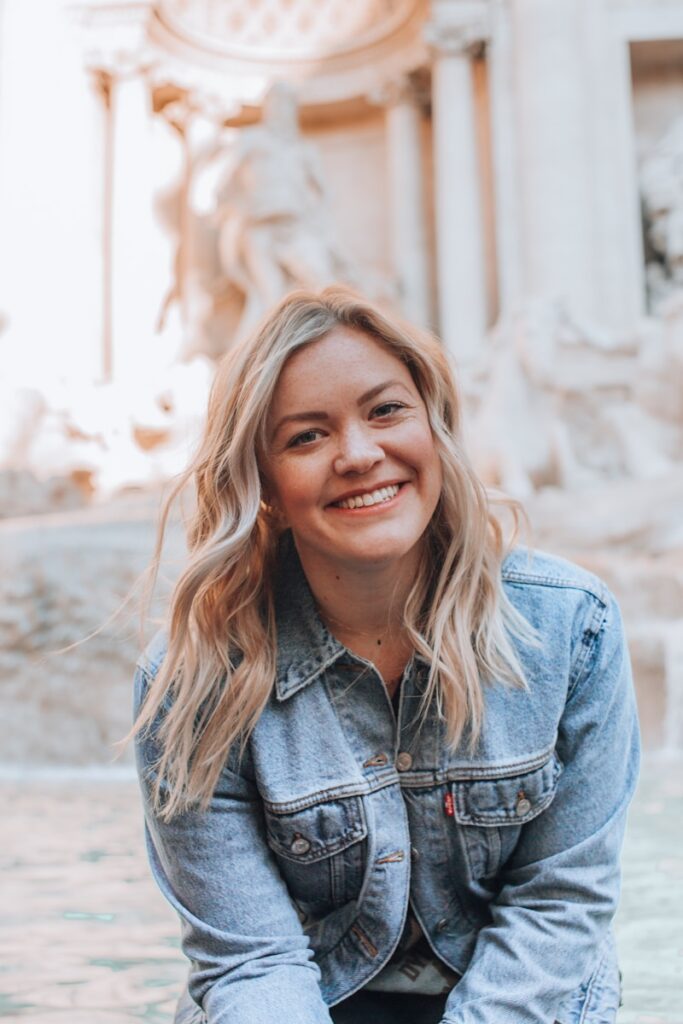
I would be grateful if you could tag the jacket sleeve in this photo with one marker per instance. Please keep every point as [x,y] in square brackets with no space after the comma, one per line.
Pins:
[560,889]
[251,962]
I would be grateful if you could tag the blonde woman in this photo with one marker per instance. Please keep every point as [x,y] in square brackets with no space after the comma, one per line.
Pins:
[385,761]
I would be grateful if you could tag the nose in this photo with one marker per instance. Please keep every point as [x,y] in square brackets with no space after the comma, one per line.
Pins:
[358,451]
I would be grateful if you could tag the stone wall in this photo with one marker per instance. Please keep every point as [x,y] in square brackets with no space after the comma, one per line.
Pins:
[66,694]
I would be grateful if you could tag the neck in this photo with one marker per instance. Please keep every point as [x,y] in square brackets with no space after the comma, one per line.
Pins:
[365,601]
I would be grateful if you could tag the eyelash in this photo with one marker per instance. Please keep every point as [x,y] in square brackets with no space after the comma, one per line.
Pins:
[298,442]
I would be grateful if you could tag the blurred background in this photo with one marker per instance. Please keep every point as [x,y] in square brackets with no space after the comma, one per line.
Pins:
[507,173]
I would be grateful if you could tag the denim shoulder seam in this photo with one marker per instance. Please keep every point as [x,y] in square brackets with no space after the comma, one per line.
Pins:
[148,666]
[142,668]
[561,582]
[589,641]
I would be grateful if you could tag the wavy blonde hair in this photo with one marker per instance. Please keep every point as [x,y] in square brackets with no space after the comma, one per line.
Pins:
[219,668]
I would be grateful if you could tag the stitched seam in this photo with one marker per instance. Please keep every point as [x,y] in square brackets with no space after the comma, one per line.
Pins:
[327,850]
[353,789]
[283,691]
[595,628]
[562,583]
[589,991]
[424,779]
[367,944]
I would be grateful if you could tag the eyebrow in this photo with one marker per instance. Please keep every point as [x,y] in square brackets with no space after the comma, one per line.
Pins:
[314,414]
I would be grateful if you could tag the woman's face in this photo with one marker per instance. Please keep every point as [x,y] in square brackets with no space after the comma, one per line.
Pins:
[351,463]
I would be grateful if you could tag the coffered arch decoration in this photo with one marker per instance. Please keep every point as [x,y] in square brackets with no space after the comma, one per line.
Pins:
[289,29]
[334,49]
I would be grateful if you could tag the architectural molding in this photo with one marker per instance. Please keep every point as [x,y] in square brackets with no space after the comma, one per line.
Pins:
[646,20]
[298,31]
[408,87]
[457,40]
[114,35]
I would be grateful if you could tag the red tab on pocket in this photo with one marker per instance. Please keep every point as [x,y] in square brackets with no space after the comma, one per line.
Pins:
[449,805]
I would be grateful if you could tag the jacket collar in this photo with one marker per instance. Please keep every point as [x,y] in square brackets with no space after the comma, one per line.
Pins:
[305,648]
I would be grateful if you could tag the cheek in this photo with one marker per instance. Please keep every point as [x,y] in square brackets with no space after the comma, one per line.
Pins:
[432,471]
[295,487]
[425,455]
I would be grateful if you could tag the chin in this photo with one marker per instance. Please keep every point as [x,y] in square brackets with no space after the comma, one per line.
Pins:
[379,553]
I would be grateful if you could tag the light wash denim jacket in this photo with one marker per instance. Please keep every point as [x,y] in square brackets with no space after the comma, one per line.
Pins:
[293,887]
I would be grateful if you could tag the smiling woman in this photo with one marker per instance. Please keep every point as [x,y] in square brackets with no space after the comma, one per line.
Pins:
[357,483]
[385,756]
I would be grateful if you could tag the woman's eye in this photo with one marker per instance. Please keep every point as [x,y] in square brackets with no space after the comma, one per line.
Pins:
[387,408]
[306,437]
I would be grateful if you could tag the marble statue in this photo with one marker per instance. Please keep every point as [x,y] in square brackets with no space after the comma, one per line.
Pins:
[271,212]
[60,445]
[557,404]
[661,182]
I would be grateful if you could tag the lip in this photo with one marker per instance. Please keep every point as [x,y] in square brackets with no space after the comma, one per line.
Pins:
[370,510]
[367,490]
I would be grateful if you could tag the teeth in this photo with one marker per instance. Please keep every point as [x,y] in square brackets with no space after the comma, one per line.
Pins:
[369,498]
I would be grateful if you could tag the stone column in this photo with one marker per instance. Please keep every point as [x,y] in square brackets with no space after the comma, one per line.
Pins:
[500,59]
[407,199]
[552,113]
[103,83]
[139,249]
[619,258]
[458,202]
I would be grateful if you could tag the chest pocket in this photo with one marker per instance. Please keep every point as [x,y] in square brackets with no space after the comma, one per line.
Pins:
[491,813]
[321,852]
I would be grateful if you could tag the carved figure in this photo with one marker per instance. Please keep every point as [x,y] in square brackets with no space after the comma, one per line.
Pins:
[558,406]
[662,191]
[273,229]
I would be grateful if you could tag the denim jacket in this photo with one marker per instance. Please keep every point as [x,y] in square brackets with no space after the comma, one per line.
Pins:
[293,887]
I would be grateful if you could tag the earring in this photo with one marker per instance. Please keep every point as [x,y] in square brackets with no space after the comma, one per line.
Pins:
[273,511]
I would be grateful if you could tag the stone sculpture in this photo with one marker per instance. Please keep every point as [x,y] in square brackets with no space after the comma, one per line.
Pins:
[271,212]
[558,404]
[661,180]
[58,446]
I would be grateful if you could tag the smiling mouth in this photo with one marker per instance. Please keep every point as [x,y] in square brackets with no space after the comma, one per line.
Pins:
[378,497]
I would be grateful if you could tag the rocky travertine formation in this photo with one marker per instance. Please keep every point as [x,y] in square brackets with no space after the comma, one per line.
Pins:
[70,592]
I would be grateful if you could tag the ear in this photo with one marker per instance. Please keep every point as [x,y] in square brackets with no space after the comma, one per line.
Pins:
[277,514]
[270,506]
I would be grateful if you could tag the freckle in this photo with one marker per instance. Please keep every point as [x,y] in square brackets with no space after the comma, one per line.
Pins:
[336,577]
[379,643]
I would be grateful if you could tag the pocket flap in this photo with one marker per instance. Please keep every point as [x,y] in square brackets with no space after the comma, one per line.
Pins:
[318,831]
[510,800]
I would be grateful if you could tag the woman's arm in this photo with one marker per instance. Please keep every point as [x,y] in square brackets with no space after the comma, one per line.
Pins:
[561,887]
[252,963]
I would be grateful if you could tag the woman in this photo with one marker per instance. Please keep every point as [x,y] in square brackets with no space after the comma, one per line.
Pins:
[385,762]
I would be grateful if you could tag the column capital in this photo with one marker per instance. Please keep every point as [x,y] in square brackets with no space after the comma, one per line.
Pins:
[467,40]
[410,88]
[114,36]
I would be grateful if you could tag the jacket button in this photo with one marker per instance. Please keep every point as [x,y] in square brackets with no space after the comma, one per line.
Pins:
[414,854]
[522,807]
[404,761]
[300,845]
[442,925]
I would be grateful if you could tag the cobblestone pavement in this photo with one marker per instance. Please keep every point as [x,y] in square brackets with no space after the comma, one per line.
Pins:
[86,939]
